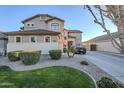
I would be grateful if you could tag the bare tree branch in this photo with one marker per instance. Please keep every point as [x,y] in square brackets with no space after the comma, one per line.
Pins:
[102,24]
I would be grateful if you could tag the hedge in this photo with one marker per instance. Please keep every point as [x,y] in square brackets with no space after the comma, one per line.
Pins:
[30,57]
[14,56]
[55,54]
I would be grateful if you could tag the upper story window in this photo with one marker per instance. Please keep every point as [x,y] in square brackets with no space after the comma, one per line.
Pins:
[32,39]
[78,37]
[18,39]
[47,39]
[55,26]
[30,25]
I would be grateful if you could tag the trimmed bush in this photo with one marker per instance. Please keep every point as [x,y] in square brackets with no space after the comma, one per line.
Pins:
[14,56]
[55,54]
[30,57]
[108,83]
[84,63]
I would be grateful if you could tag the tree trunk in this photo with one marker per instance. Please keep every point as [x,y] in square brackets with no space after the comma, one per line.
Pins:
[121,37]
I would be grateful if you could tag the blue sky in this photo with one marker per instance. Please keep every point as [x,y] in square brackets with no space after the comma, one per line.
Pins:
[76,17]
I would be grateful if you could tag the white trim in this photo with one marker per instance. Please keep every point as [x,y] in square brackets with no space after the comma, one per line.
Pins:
[34,37]
[47,36]
[20,39]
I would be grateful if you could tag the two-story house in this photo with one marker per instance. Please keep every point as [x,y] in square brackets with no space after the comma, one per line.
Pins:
[40,32]
[74,37]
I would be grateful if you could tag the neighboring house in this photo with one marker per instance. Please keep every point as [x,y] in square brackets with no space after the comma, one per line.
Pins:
[40,32]
[74,37]
[3,43]
[101,43]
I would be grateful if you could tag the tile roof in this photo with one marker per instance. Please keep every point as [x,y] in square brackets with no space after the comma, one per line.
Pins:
[74,31]
[103,37]
[54,18]
[33,32]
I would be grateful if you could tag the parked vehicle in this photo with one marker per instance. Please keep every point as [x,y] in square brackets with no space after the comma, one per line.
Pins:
[80,50]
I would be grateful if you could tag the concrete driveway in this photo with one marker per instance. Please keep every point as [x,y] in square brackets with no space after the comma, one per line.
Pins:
[113,65]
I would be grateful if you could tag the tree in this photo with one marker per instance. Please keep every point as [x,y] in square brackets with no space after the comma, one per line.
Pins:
[116,14]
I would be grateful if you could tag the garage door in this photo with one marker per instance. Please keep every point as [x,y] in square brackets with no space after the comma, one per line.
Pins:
[93,47]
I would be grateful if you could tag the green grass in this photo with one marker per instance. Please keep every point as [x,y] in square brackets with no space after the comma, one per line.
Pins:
[52,77]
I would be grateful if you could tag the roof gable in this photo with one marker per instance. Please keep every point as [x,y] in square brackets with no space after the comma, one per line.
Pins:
[38,15]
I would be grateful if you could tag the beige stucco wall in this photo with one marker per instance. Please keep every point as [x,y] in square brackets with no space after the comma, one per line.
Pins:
[104,45]
[77,41]
[38,22]
[11,39]
[39,45]
[26,39]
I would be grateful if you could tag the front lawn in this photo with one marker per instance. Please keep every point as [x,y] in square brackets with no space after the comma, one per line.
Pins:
[52,77]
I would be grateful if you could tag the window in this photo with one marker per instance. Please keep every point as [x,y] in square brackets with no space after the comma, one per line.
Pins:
[55,26]
[78,37]
[18,39]
[33,39]
[30,25]
[47,39]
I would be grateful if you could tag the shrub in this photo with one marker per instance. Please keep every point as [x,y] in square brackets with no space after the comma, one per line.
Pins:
[84,63]
[14,55]
[64,50]
[30,57]
[55,54]
[108,83]
[71,51]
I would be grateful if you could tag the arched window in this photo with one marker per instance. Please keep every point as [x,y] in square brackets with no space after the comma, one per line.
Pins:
[55,26]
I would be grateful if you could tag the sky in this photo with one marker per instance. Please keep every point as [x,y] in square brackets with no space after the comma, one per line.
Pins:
[75,16]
